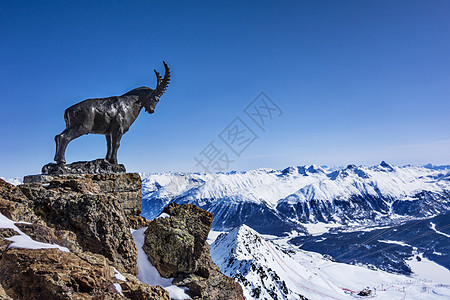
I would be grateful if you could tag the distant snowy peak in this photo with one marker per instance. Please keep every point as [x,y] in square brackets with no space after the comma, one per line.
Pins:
[242,241]
[386,166]
[266,270]
[255,263]
[13,180]
[437,167]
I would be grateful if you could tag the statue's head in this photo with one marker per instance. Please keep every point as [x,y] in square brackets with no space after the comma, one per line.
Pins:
[161,86]
[150,102]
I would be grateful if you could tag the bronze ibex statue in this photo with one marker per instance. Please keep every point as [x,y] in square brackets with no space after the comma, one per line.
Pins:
[110,116]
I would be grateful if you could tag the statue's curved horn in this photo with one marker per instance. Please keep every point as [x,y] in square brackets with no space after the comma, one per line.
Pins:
[158,79]
[161,88]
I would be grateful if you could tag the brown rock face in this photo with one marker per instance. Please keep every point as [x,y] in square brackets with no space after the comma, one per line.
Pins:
[208,282]
[176,246]
[52,274]
[137,222]
[135,290]
[3,295]
[91,215]
[89,207]
[180,239]
[81,217]
[14,205]
[5,233]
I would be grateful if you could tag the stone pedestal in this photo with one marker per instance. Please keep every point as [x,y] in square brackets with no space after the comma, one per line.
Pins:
[126,187]
[98,166]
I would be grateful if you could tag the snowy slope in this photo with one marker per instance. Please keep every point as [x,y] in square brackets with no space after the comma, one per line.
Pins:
[269,271]
[278,202]
[149,274]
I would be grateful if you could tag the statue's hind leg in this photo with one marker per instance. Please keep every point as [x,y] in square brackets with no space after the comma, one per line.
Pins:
[115,143]
[109,148]
[62,140]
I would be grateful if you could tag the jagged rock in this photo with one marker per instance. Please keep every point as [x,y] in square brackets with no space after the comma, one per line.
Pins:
[14,205]
[208,282]
[5,233]
[176,245]
[136,290]
[182,237]
[137,222]
[85,213]
[132,288]
[98,166]
[52,274]
[3,295]
[10,192]
[78,204]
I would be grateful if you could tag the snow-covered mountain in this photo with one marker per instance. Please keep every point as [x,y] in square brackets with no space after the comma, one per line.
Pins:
[300,199]
[13,180]
[270,271]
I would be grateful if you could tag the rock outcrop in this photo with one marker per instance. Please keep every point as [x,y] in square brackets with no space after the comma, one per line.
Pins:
[85,214]
[175,244]
[90,207]
[52,274]
[5,233]
[14,205]
[91,217]
[3,295]
[137,222]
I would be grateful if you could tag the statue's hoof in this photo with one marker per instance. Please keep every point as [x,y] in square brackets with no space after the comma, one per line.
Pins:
[51,168]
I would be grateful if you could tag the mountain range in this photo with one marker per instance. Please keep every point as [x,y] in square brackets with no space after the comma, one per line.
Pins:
[299,199]
[374,221]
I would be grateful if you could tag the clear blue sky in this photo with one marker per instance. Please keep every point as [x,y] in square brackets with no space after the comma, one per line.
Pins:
[358,81]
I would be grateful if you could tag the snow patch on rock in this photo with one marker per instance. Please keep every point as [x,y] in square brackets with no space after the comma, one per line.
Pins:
[21,240]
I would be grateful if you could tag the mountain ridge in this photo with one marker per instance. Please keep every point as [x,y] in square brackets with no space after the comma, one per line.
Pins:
[285,199]
[267,269]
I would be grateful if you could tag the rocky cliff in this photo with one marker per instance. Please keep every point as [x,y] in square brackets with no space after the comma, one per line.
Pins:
[69,237]
[175,244]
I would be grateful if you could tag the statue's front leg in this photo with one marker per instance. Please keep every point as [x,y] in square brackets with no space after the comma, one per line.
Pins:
[63,139]
[61,144]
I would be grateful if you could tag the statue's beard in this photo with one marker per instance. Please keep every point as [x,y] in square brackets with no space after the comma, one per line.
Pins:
[149,110]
